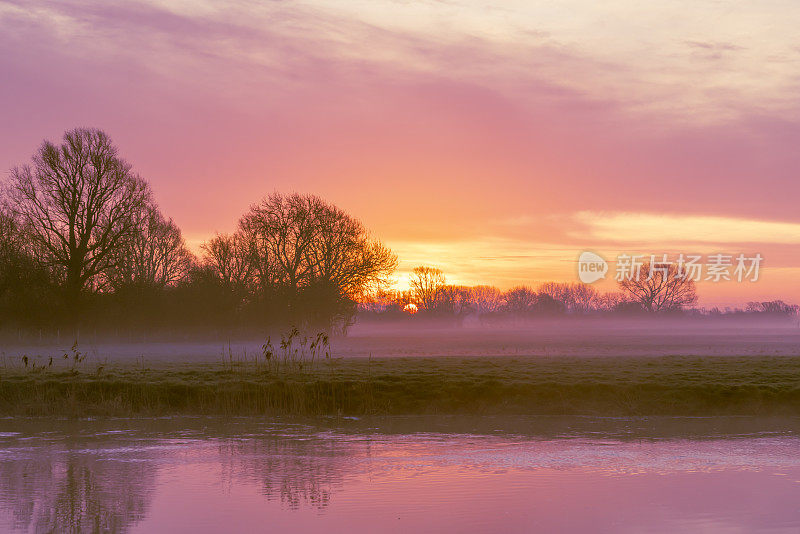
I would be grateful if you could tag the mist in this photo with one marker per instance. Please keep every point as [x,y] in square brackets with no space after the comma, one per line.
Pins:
[419,337]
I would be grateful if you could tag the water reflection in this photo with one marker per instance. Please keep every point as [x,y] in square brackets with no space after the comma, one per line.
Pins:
[295,471]
[119,475]
[58,490]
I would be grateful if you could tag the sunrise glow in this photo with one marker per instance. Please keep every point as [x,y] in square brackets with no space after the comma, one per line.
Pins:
[461,134]
[399,266]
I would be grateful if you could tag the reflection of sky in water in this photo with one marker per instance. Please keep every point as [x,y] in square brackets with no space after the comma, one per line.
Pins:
[291,476]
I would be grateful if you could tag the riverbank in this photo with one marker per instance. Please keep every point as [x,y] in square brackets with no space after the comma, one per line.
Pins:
[607,386]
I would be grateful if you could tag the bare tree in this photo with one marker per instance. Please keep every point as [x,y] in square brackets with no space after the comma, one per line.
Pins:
[25,285]
[425,282]
[771,307]
[154,255]
[519,299]
[305,241]
[284,229]
[11,251]
[10,235]
[251,248]
[79,202]
[660,287]
[384,300]
[307,251]
[578,298]
[344,257]
[583,298]
[229,257]
[453,300]
[611,300]
[486,299]
[547,305]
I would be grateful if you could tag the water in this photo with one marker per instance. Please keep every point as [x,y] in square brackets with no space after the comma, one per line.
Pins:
[485,475]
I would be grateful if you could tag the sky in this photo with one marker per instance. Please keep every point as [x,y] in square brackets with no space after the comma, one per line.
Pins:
[495,140]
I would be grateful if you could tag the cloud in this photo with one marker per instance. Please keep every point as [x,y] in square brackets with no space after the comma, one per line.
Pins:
[714,46]
[651,228]
[432,121]
[500,261]
[525,53]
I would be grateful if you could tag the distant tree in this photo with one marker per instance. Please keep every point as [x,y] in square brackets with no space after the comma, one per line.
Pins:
[485,299]
[610,300]
[545,304]
[228,256]
[453,300]
[386,300]
[11,238]
[659,288]
[154,256]
[425,282]
[772,307]
[629,307]
[381,301]
[254,264]
[556,290]
[583,298]
[577,298]
[344,257]
[519,300]
[79,202]
[314,255]
[283,229]
[24,284]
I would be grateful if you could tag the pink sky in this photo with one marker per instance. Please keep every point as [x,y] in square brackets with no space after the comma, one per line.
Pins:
[495,142]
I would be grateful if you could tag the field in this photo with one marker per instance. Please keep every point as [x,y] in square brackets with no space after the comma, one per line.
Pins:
[556,369]
[609,386]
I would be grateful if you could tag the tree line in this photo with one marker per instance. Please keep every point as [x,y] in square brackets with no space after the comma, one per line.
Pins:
[82,241]
[657,291]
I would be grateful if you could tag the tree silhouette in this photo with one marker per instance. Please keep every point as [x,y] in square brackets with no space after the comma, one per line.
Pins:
[660,287]
[425,283]
[154,256]
[79,202]
[310,255]
[576,297]
[229,258]
[519,300]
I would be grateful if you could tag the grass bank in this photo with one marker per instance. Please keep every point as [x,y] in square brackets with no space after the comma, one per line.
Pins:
[608,386]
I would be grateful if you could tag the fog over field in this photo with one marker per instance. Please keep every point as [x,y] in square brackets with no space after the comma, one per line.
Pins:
[418,338]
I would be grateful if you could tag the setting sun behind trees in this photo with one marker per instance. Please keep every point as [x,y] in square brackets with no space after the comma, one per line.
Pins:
[82,231]
[85,241]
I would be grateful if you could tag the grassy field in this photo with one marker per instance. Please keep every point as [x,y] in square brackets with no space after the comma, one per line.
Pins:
[609,386]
